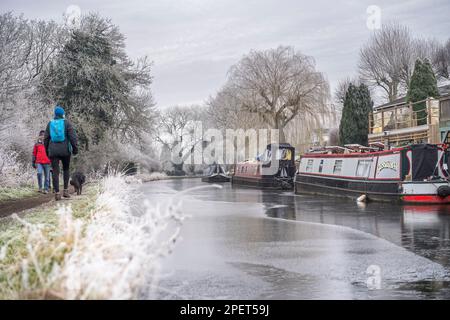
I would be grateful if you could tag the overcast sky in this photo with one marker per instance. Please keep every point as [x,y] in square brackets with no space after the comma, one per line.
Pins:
[194,42]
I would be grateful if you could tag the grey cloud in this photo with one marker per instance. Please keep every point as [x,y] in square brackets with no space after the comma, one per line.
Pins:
[194,42]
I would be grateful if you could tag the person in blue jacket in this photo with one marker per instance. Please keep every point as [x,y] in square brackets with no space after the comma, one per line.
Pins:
[60,142]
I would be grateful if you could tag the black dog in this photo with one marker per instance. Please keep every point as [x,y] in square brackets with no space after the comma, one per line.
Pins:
[77,180]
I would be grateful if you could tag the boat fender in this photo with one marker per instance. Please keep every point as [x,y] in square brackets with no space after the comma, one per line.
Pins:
[362,198]
[443,191]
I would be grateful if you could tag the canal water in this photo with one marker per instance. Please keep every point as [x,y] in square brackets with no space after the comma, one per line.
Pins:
[243,243]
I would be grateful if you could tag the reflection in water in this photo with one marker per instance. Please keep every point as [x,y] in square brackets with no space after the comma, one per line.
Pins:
[424,230]
[230,250]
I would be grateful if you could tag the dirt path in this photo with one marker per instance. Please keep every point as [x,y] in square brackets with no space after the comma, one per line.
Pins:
[9,207]
[12,206]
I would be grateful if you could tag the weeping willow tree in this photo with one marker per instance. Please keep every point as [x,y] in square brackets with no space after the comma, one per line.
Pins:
[305,131]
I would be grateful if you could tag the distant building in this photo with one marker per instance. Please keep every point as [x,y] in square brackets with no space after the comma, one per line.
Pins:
[396,123]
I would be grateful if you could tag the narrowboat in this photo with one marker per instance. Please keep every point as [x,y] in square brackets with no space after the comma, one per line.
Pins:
[216,174]
[411,174]
[274,169]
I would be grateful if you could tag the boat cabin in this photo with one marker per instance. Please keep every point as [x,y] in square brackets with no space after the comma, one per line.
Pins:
[414,173]
[275,167]
[416,162]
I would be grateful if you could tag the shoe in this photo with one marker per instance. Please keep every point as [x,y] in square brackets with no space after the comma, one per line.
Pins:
[66,193]
[45,191]
[40,191]
[57,196]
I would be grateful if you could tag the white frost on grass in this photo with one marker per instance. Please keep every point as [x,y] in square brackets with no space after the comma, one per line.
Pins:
[147,177]
[12,172]
[119,252]
[114,254]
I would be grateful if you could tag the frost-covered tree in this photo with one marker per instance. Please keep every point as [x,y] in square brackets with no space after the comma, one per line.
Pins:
[27,47]
[104,93]
[226,112]
[176,135]
[277,85]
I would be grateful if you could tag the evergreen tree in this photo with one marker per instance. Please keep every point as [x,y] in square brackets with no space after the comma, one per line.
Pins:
[98,86]
[423,84]
[354,126]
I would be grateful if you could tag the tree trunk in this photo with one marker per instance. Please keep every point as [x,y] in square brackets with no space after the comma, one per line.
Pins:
[280,127]
[393,91]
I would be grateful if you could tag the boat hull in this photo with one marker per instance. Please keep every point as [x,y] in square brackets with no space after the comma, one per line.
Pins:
[386,191]
[263,182]
[216,178]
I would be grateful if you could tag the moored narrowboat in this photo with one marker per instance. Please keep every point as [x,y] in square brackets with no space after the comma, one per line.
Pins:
[216,174]
[410,174]
[274,169]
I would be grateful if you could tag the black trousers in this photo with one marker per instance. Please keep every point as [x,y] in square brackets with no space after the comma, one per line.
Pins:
[66,172]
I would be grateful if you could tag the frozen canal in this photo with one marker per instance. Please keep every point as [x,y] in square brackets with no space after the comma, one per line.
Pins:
[252,244]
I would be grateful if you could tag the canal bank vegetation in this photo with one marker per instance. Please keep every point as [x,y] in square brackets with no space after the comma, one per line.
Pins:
[96,247]
[16,179]
[42,65]
[15,193]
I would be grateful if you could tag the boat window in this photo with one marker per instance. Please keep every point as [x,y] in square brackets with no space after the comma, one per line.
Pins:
[321,165]
[284,154]
[363,168]
[309,165]
[337,169]
[264,157]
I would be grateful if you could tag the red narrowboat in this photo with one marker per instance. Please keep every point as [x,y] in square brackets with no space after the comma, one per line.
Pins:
[274,169]
[411,174]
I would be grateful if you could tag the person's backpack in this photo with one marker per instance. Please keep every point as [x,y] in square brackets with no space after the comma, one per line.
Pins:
[57,130]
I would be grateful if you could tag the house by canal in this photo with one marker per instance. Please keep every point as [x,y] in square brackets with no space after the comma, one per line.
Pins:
[396,123]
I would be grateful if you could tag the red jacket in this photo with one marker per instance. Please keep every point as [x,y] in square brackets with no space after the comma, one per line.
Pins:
[39,154]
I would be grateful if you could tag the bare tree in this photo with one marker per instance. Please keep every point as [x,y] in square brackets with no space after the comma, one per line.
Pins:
[277,85]
[226,112]
[176,135]
[440,59]
[386,61]
[435,52]
[46,38]
[14,53]
[341,89]
[27,47]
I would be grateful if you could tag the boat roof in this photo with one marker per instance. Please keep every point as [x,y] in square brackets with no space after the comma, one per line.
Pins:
[280,145]
[358,147]
[328,149]
[360,151]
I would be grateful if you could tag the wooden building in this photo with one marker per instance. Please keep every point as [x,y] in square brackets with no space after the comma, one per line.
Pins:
[396,123]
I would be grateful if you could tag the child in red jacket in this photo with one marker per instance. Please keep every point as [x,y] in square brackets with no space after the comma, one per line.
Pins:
[42,163]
